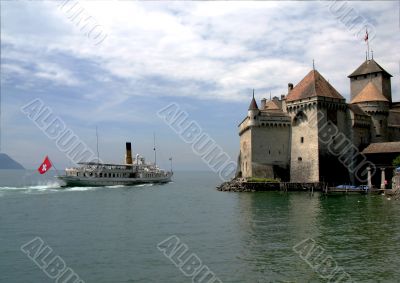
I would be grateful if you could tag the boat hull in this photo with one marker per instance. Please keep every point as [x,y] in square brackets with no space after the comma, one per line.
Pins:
[71,181]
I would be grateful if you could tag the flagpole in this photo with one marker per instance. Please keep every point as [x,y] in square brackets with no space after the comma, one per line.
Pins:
[53,165]
[366,38]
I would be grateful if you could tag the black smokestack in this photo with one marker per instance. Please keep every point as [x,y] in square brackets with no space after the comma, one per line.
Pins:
[128,154]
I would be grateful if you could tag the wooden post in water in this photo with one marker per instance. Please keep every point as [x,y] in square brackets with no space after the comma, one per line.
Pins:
[383,178]
[369,178]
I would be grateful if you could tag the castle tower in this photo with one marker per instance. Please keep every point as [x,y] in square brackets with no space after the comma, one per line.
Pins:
[316,109]
[371,100]
[264,141]
[370,71]
[253,112]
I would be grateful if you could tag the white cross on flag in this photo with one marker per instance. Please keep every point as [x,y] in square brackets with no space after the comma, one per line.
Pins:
[45,166]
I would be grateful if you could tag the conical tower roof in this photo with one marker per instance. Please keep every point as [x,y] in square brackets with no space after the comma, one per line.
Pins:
[314,84]
[369,93]
[253,103]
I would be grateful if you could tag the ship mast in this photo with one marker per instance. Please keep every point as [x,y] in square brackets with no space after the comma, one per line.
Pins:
[154,148]
[97,145]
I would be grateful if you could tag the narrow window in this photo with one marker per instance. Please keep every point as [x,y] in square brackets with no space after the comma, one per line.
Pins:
[302,139]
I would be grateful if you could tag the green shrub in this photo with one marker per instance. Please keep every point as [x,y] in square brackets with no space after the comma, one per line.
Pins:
[396,161]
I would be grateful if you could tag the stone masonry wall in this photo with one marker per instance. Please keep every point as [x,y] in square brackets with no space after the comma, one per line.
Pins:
[304,148]
[270,147]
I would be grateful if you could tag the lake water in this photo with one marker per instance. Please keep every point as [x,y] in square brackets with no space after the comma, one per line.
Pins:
[111,234]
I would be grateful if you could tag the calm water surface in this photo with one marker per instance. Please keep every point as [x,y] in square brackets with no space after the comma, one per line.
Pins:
[111,234]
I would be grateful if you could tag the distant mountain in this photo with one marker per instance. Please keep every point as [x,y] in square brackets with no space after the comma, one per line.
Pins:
[6,162]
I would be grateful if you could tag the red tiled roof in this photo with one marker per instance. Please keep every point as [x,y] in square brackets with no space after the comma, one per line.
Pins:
[314,84]
[369,93]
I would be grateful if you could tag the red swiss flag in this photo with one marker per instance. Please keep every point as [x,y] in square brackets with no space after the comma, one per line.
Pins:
[366,35]
[45,166]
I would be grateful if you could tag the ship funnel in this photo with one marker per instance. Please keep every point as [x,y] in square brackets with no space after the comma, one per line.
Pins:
[128,154]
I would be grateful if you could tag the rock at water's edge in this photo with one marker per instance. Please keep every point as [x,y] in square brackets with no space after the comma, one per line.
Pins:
[235,185]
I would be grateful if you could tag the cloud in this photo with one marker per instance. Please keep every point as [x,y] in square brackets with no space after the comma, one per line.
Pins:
[205,55]
[232,47]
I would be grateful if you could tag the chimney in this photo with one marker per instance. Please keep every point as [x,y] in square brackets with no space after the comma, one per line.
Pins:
[263,102]
[290,87]
[128,154]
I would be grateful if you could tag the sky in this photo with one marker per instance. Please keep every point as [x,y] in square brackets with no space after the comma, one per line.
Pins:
[134,58]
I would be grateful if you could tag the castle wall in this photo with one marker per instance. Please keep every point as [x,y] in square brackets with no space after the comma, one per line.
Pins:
[361,137]
[393,134]
[379,127]
[359,127]
[334,136]
[387,88]
[245,153]
[304,163]
[379,112]
[270,151]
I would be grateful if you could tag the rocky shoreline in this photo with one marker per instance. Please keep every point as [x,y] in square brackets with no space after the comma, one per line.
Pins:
[242,185]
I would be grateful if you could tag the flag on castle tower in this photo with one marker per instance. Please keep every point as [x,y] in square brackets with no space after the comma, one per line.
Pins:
[366,35]
[45,166]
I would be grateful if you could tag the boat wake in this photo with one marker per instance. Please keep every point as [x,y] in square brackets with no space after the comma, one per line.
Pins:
[143,185]
[54,187]
[37,188]
[42,188]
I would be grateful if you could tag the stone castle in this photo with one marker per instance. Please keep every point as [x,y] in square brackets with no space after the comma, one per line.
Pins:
[285,138]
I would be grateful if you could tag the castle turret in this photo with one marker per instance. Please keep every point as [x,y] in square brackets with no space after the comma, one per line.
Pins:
[253,112]
[375,104]
[370,71]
